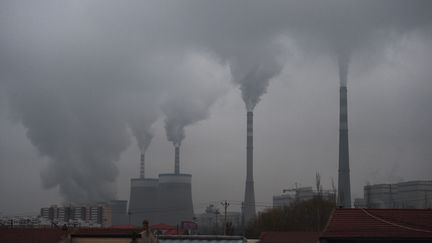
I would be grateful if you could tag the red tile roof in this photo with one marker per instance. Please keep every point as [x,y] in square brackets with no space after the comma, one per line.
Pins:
[379,223]
[25,235]
[289,237]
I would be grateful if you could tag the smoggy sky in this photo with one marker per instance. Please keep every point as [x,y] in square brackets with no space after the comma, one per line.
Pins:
[86,85]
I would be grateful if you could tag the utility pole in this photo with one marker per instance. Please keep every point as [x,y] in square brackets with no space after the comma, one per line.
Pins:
[225,205]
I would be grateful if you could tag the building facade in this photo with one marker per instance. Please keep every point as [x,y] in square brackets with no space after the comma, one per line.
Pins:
[299,194]
[410,194]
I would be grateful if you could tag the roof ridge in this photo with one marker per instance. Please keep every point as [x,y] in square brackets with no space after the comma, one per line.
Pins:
[394,224]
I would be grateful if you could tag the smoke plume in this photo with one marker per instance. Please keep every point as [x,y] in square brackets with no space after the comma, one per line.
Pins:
[256,81]
[66,67]
[140,123]
[185,106]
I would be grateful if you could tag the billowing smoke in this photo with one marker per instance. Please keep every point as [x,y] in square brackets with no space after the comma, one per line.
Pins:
[140,123]
[181,113]
[185,106]
[255,79]
[67,67]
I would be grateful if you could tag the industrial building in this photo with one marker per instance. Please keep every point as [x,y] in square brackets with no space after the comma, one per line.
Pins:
[175,198]
[410,194]
[167,199]
[143,203]
[212,220]
[300,194]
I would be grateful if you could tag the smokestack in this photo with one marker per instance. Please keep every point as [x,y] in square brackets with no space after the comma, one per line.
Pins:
[249,199]
[177,160]
[344,187]
[142,166]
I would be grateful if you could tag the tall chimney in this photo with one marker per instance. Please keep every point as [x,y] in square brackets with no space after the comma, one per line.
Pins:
[142,166]
[344,187]
[177,160]
[249,199]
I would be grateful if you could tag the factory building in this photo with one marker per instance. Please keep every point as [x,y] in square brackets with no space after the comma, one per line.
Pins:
[175,198]
[299,194]
[410,194]
[119,212]
[167,199]
[143,203]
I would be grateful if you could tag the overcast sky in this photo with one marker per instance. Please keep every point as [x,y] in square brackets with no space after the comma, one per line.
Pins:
[86,85]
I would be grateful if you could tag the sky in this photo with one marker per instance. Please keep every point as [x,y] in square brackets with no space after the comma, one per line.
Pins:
[86,86]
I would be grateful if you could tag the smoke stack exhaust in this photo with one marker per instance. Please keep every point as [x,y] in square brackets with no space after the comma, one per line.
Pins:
[142,175]
[177,160]
[344,185]
[249,199]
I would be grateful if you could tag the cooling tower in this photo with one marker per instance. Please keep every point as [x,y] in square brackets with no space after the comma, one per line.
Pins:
[175,198]
[143,203]
[249,197]
[344,188]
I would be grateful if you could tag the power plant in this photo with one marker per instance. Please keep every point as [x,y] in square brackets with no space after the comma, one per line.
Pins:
[249,197]
[143,202]
[167,199]
[175,198]
[344,185]
[175,194]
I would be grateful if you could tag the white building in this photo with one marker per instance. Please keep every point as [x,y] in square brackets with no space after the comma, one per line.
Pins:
[410,194]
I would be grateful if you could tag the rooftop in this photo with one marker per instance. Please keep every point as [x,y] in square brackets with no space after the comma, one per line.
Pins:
[379,223]
[289,237]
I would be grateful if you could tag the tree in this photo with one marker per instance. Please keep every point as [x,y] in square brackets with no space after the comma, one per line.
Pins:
[310,215]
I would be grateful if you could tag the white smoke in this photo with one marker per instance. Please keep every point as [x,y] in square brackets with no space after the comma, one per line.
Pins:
[185,106]
[66,67]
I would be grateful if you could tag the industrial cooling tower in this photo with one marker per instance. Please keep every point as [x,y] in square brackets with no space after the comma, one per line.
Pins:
[143,203]
[175,198]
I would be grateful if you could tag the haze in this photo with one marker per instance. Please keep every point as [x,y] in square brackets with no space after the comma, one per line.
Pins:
[86,85]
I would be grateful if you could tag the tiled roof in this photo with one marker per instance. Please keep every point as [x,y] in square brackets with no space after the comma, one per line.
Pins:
[25,235]
[201,239]
[289,237]
[379,223]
